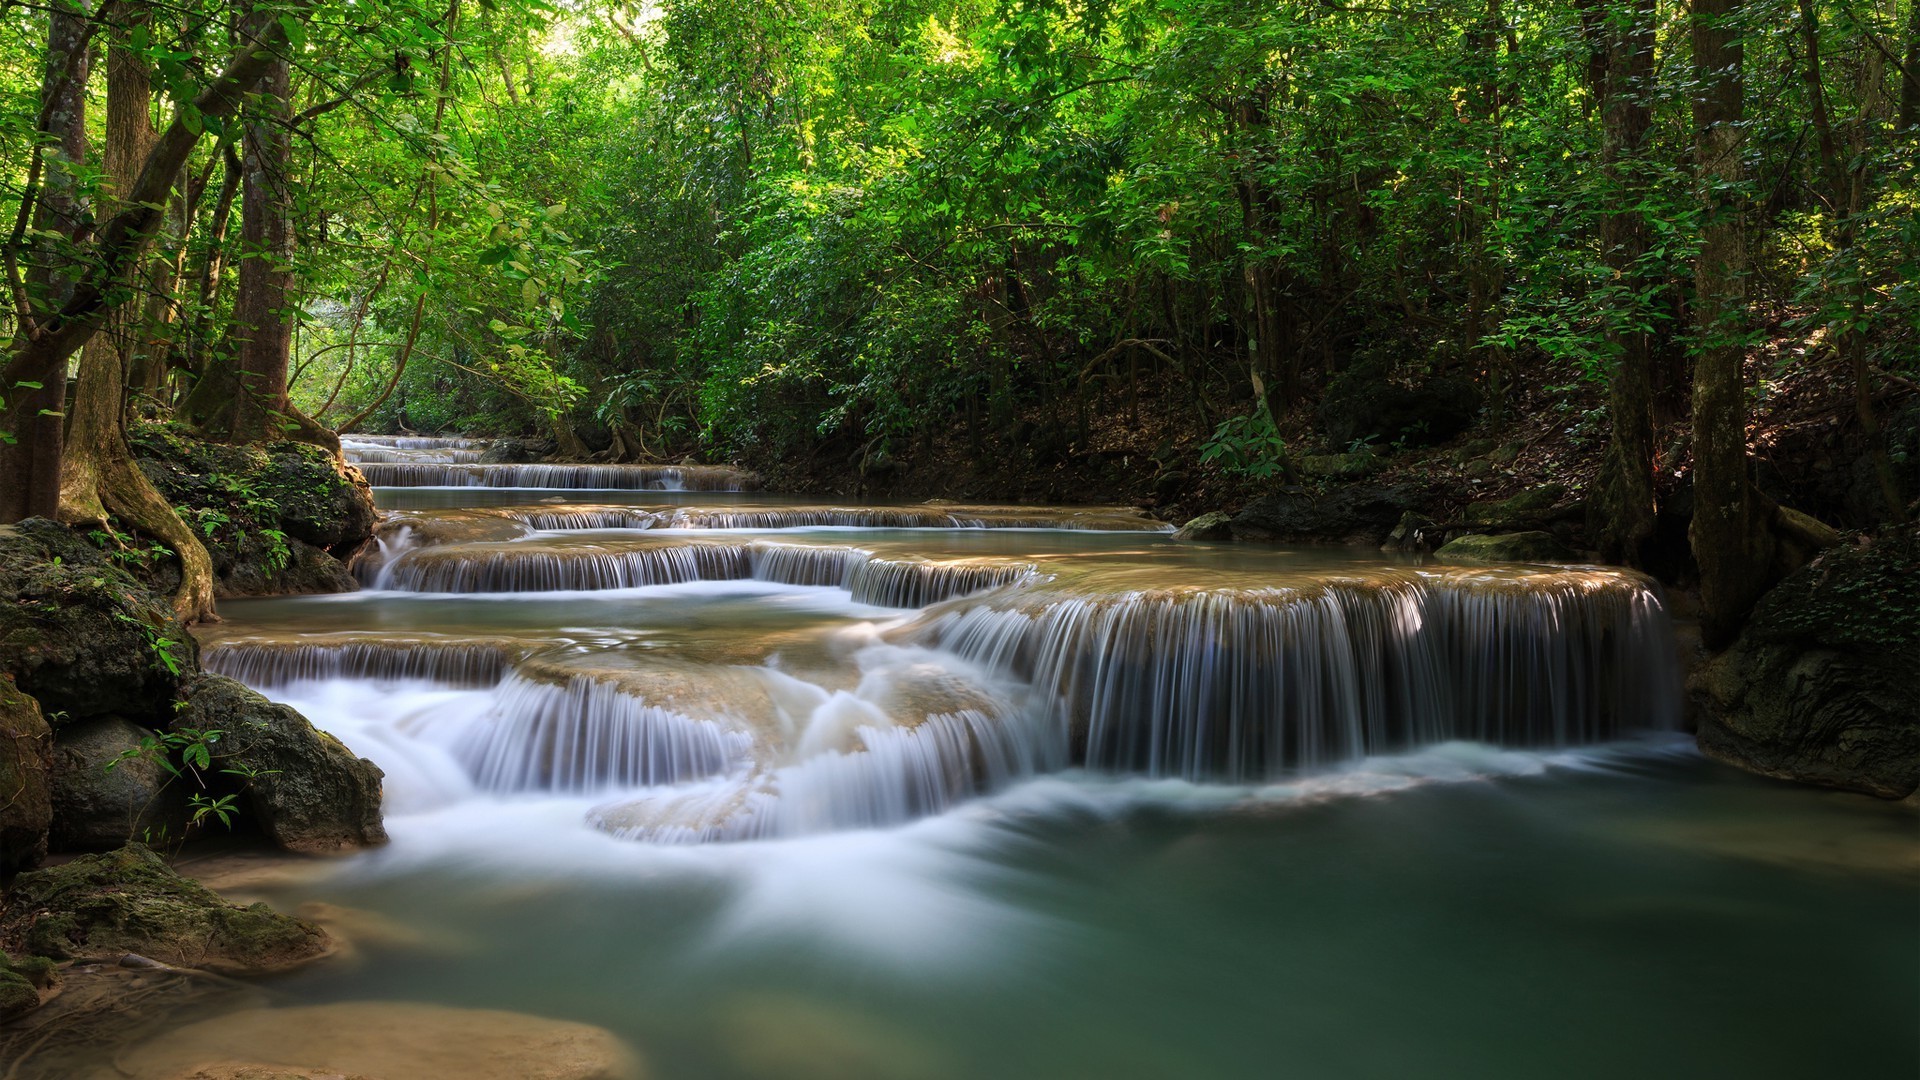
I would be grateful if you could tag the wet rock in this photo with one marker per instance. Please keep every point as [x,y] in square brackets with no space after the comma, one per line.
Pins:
[389,1040]
[1819,687]
[273,516]
[516,452]
[1215,525]
[130,901]
[1350,514]
[110,786]
[1506,547]
[304,788]
[26,810]
[79,634]
[21,983]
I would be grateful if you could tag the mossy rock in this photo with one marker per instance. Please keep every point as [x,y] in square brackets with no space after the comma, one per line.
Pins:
[1819,687]
[80,634]
[26,805]
[277,518]
[1214,525]
[1529,506]
[130,901]
[111,785]
[302,786]
[1506,547]
[1349,466]
[21,982]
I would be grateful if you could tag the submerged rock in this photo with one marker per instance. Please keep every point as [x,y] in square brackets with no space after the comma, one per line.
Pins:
[81,635]
[304,788]
[110,786]
[382,1040]
[1506,547]
[129,901]
[1351,514]
[1819,687]
[26,811]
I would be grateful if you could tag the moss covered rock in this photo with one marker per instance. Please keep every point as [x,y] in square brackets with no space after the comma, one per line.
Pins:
[302,786]
[1214,525]
[21,984]
[1347,514]
[1819,687]
[130,901]
[79,633]
[277,518]
[1532,506]
[26,808]
[1506,547]
[110,786]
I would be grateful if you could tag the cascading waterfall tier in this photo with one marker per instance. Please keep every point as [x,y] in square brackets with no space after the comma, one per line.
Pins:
[514,567]
[1249,684]
[565,518]
[271,663]
[573,477]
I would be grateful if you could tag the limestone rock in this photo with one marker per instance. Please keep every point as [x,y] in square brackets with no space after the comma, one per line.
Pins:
[1506,547]
[1350,514]
[382,1040]
[81,635]
[1413,533]
[1531,507]
[103,798]
[304,788]
[26,745]
[129,901]
[1215,525]
[1819,687]
[1348,466]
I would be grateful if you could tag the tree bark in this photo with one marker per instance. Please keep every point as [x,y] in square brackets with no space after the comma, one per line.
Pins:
[263,331]
[98,474]
[1626,505]
[1909,121]
[30,462]
[1731,543]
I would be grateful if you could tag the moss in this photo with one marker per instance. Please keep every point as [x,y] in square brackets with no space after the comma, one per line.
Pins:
[1506,547]
[1530,504]
[130,900]
[1864,597]
[17,993]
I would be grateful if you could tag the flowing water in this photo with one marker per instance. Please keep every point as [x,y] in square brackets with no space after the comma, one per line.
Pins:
[775,789]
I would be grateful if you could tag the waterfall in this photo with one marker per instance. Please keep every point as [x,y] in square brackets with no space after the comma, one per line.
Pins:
[1244,685]
[568,518]
[262,664]
[580,477]
[583,735]
[531,567]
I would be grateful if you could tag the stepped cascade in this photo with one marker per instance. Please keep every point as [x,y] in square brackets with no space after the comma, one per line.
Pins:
[704,669]
[427,461]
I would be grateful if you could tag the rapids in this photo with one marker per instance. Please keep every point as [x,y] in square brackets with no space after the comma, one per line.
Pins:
[786,789]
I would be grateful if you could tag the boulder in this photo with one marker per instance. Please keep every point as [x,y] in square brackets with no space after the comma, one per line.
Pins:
[110,785]
[389,1040]
[130,901]
[1348,466]
[1415,532]
[1350,514]
[26,810]
[21,983]
[1215,525]
[305,790]
[81,635]
[273,517]
[1819,687]
[516,451]
[1506,547]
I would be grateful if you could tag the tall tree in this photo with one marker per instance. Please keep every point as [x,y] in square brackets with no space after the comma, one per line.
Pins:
[32,425]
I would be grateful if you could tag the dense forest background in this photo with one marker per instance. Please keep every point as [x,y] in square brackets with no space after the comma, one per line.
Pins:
[849,242]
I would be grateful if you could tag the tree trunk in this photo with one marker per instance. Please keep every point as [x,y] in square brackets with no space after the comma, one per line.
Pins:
[30,461]
[1730,540]
[98,474]
[1909,121]
[263,332]
[1626,505]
